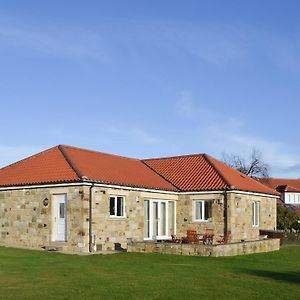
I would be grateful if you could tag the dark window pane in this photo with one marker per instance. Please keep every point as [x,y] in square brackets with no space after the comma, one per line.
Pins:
[61,210]
[208,208]
[112,206]
[119,206]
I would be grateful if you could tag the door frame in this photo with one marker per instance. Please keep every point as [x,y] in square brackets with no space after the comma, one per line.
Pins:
[55,210]
[159,236]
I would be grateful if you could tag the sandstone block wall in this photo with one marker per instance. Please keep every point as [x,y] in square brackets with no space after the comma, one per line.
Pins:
[107,230]
[240,216]
[26,222]
[185,215]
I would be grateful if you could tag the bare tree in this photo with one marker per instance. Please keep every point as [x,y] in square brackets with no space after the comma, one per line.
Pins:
[254,166]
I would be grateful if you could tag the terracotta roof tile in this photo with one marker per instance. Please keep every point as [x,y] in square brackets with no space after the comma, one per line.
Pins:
[45,167]
[188,173]
[115,169]
[203,172]
[199,172]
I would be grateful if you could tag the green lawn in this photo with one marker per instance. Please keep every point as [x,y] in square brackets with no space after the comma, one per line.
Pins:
[26,274]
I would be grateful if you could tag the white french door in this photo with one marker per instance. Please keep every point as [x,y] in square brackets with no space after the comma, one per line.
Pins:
[59,228]
[159,219]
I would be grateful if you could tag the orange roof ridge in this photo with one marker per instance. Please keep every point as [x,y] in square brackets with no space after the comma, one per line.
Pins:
[99,152]
[160,175]
[70,162]
[175,156]
[27,158]
[207,157]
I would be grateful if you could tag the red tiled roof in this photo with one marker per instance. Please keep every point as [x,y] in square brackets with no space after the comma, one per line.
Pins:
[184,173]
[203,172]
[114,169]
[68,164]
[188,173]
[282,184]
[45,167]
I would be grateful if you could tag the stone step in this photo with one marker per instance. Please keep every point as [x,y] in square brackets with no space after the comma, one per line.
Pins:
[55,246]
[52,248]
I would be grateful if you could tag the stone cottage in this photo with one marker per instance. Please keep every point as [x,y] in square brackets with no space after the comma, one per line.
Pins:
[87,201]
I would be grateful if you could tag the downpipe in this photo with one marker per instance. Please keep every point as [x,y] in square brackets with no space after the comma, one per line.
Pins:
[91,245]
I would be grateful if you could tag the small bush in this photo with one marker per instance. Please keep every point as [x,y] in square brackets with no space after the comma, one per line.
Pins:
[287,219]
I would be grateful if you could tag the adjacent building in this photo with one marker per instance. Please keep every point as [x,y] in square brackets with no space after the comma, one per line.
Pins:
[289,190]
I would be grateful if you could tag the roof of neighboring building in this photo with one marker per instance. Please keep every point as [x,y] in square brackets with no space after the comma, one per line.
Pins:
[282,184]
[199,172]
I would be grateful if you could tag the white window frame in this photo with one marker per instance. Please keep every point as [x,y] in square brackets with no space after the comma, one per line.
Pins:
[115,216]
[255,213]
[151,220]
[292,198]
[202,217]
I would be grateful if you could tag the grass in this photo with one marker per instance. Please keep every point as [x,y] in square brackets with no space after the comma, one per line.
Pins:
[27,274]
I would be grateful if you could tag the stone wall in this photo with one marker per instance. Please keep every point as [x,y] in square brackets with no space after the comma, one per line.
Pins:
[26,222]
[107,231]
[240,216]
[233,249]
[185,218]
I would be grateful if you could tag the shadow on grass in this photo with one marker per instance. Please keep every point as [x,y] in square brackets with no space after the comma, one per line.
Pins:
[292,277]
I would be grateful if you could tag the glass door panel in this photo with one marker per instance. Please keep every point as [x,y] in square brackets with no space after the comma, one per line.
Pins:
[155,220]
[163,217]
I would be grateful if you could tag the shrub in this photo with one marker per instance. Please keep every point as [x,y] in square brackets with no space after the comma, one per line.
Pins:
[286,219]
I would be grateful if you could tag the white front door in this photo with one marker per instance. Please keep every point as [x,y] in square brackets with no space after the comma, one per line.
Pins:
[59,217]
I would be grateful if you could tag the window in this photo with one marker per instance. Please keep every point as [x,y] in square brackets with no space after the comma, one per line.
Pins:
[255,214]
[117,206]
[202,210]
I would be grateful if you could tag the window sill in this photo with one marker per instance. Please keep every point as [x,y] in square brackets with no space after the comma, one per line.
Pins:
[202,221]
[117,218]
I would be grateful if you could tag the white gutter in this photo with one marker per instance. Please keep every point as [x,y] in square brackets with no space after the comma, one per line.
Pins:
[253,193]
[104,185]
[9,188]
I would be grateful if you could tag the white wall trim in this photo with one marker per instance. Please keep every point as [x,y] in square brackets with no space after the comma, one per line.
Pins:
[84,183]
[200,192]
[104,185]
[253,194]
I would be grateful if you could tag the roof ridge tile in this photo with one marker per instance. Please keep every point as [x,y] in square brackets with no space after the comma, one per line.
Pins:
[70,161]
[176,156]
[160,175]
[99,152]
[207,157]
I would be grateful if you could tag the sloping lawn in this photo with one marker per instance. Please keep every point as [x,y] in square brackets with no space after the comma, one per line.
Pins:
[26,274]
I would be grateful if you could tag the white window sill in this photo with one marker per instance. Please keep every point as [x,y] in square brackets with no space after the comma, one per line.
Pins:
[202,221]
[117,218]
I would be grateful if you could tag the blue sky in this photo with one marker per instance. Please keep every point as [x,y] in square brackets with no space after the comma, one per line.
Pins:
[152,78]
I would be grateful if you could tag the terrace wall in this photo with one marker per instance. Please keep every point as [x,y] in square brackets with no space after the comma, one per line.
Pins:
[233,249]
